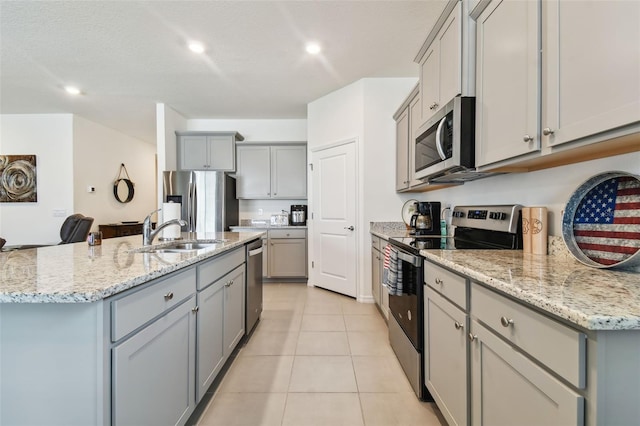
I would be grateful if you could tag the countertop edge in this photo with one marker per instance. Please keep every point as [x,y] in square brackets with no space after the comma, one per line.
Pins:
[575,317]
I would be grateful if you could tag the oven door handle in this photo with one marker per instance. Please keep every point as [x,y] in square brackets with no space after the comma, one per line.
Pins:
[414,260]
[439,139]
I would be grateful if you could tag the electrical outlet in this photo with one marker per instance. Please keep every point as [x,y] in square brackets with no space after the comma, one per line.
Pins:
[260,212]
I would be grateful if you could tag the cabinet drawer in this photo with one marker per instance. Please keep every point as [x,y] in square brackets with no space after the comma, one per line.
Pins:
[215,268]
[375,242]
[134,310]
[287,233]
[555,345]
[449,284]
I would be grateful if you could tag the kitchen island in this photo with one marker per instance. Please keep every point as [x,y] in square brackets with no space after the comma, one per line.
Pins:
[110,334]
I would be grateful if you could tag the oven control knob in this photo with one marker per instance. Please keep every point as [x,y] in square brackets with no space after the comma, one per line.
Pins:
[458,214]
[497,215]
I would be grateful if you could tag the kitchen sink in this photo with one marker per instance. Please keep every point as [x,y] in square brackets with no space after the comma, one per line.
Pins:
[179,247]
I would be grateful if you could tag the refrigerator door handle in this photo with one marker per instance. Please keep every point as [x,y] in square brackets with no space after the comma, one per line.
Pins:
[193,205]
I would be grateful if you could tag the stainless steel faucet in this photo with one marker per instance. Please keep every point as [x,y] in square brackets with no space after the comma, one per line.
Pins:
[148,234]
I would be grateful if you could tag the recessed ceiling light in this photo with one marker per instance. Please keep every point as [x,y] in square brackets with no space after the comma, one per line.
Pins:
[313,48]
[72,90]
[196,47]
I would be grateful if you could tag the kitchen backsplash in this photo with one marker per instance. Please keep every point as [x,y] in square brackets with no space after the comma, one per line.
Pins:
[263,209]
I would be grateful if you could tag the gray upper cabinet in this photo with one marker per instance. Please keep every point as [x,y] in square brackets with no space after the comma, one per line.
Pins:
[272,171]
[508,79]
[407,121]
[591,68]
[207,150]
[440,65]
[568,80]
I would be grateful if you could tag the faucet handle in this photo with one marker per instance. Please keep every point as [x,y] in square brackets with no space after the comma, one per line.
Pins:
[147,220]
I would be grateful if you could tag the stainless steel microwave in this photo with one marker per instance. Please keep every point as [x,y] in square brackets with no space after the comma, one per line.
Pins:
[446,142]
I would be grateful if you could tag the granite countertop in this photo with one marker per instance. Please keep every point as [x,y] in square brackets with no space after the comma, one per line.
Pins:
[595,299]
[388,230]
[78,273]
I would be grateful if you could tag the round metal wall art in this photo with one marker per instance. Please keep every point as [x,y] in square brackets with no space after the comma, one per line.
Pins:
[601,221]
[126,181]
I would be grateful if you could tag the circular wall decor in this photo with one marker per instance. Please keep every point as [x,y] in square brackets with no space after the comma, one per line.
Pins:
[123,186]
[601,222]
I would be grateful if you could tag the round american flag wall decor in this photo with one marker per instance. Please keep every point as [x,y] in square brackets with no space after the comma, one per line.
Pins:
[601,222]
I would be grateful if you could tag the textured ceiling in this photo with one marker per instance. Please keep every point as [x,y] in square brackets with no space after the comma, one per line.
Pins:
[128,55]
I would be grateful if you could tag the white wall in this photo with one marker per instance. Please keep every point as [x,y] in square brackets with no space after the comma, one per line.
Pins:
[98,152]
[168,121]
[50,138]
[256,130]
[363,111]
[551,187]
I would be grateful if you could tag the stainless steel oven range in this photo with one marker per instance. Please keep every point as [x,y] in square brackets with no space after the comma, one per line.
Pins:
[476,227]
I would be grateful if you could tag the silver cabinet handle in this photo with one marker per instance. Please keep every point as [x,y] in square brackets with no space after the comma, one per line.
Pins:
[506,322]
[168,296]
[433,106]
[350,228]
[472,337]
[527,138]
[439,281]
[229,283]
[196,309]
[547,131]
[457,325]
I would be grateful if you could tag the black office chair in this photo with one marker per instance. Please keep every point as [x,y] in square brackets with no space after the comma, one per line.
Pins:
[75,229]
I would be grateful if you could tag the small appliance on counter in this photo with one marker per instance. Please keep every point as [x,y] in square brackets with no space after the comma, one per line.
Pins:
[426,219]
[298,214]
[280,219]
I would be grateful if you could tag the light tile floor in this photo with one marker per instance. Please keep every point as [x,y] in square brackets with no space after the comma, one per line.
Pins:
[317,358]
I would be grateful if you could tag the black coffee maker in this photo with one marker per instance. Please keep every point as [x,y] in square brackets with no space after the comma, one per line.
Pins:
[298,215]
[426,220]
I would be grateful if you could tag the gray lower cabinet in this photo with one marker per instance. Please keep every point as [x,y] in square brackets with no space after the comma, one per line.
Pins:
[490,360]
[287,256]
[234,307]
[220,315]
[446,357]
[154,371]
[508,388]
[210,336]
[378,289]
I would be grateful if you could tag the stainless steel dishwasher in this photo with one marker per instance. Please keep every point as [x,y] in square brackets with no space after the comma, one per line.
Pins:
[254,284]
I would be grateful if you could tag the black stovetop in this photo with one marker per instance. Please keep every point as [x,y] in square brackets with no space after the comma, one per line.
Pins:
[464,238]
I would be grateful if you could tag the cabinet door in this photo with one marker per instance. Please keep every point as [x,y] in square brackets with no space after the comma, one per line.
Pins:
[402,151]
[288,257]
[429,87]
[154,371]
[289,172]
[507,81]
[450,63]
[222,153]
[375,275]
[414,123]
[194,153]
[234,306]
[210,336]
[591,68]
[445,358]
[253,175]
[510,389]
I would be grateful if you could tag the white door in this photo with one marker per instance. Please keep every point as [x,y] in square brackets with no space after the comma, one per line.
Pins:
[334,219]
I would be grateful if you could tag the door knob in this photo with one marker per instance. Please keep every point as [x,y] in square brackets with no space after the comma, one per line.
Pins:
[350,228]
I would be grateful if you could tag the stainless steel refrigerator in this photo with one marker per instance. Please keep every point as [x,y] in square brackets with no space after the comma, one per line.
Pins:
[208,199]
